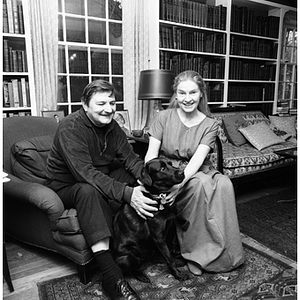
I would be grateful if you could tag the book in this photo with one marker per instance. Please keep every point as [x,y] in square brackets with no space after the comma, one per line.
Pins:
[5,18]
[15,16]
[15,87]
[24,93]
[10,16]
[6,102]
[6,66]
[21,18]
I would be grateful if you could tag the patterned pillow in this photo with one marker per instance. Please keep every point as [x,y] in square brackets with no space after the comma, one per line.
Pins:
[231,126]
[287,124]
[260,135]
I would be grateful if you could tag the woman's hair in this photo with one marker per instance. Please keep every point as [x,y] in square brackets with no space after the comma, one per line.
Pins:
[193,76]
[94,87]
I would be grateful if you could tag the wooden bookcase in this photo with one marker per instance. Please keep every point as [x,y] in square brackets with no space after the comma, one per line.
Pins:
[17,67]
[234,44]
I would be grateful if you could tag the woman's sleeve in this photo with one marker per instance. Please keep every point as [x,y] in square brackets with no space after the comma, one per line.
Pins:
[209,138]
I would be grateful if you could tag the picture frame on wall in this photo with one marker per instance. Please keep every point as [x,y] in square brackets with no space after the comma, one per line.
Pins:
[57,114]
[122,118]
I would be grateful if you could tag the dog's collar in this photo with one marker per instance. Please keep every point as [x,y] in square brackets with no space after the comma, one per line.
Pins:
[161,200]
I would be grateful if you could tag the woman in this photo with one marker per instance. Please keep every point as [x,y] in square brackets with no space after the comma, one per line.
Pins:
[207,224]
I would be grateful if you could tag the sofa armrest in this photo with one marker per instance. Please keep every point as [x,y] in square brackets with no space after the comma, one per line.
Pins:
[219,155]
[36,194]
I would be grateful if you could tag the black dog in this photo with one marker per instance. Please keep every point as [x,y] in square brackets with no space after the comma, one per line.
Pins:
[132,233]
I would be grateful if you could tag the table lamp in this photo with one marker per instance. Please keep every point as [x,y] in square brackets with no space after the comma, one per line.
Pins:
[155,84]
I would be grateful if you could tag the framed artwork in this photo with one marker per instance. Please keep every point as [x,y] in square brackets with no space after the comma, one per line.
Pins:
[122,118]
[57,114]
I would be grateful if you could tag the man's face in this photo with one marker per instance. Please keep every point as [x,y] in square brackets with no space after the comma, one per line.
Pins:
[101,109]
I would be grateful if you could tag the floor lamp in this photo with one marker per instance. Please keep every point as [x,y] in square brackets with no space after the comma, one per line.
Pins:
[155,84]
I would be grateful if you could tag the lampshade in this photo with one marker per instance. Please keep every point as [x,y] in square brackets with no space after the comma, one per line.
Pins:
[156,84]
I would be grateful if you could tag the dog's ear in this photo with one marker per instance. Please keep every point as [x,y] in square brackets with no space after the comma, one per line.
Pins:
[145,177]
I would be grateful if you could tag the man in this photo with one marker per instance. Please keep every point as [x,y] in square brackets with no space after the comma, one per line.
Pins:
[85,145]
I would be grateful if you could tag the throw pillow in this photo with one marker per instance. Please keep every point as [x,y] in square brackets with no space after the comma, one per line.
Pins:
[231,126]
[29,158]
[287,124]
[260,135]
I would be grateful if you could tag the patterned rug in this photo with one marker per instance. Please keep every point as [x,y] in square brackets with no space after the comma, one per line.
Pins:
[272,221]
[260,277]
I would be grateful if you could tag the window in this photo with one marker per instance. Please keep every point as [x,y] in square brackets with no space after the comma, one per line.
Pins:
[287,93]
[89,48]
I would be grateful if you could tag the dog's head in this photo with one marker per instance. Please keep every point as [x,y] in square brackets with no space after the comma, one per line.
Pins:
[159,175]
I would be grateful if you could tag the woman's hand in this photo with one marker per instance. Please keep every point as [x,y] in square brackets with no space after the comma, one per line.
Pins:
[142,204]
[173,192]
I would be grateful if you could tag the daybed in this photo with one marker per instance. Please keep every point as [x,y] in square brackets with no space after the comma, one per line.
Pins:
[239,157]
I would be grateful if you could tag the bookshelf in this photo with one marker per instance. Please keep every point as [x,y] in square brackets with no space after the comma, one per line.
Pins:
[17,67]
[234,44]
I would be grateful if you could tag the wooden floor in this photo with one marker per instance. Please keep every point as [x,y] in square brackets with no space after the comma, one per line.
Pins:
[29,265]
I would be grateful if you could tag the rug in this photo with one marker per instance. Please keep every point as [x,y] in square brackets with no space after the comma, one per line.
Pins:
[260,277]
[272,221]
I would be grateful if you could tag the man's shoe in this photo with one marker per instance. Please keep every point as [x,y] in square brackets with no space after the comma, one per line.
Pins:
[120,290]
[125,290]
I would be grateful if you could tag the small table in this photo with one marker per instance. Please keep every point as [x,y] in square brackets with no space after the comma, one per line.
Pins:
[290,153]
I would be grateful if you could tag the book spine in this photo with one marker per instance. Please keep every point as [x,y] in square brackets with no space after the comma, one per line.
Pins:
[10,16]
[10,95]
[6,102]
[21,18]
[24,94]
[5,18]
[6,55]
[20,94]
[15,92]
[15,16]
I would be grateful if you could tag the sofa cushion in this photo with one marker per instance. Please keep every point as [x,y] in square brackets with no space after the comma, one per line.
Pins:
[287,124]
[260,135]
[29,158]
[231,125]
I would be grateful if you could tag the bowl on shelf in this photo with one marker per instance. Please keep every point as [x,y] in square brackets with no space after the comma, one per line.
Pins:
[137,132]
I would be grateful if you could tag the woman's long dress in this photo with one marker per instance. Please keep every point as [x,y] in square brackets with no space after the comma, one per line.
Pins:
[207,224]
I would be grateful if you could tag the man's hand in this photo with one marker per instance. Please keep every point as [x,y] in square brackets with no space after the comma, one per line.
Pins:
[142,204]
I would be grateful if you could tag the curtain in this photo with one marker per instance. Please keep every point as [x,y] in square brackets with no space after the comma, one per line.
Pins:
[43,22]
[135,58]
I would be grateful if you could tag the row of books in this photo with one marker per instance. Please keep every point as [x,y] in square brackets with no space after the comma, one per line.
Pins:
[243,20]
[193,13]
[13,20]
[16,114]
[251,93]
[14,60]
[253,48]
[181,39]
[208,68]
[215,92]
[16,93]
[241,70]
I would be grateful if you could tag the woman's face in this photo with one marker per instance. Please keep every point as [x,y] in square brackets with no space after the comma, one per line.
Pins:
[101,108]
[188,95]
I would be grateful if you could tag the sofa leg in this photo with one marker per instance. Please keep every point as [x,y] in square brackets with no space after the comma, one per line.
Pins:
[84,273]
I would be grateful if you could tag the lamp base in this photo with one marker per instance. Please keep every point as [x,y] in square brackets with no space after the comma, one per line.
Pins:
[152,113]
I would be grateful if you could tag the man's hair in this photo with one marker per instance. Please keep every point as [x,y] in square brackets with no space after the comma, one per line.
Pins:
[97,86]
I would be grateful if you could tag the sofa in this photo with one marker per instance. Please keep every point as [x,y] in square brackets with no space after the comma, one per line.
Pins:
[33,213]
[242,153]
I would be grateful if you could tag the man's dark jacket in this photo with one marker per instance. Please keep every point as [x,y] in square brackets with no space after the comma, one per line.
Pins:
[82,152]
